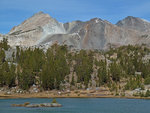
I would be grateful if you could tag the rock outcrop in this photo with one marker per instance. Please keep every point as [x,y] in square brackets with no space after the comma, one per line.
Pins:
[37,105]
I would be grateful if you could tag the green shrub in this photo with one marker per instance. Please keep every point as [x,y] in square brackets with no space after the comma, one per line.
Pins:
[147,81]
[147,94]
[54,100]
[26,103]
[142,94]
[133,84]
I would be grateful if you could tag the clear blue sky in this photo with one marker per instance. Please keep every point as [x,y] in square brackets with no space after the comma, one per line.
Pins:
[13,12]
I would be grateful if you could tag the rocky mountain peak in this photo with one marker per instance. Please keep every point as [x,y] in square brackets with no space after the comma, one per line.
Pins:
[37,20]
[39,13]
[134,23]
[34,29]
[96,20]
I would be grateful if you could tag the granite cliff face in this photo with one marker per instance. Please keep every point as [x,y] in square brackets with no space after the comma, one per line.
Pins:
[42,30]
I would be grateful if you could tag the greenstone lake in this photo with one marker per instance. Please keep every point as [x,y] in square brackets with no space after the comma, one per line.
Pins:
[79,105]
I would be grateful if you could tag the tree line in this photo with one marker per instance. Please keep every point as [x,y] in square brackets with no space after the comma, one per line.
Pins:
[49,69]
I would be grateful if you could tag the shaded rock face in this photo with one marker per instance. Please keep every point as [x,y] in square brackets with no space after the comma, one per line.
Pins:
[43,30]
[73,27]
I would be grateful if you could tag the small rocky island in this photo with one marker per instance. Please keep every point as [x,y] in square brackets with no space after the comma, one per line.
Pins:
[27,104]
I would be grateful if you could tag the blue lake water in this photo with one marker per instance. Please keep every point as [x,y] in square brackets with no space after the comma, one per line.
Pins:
[79,105]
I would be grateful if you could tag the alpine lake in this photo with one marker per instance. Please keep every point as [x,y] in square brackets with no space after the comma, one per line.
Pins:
[78,105]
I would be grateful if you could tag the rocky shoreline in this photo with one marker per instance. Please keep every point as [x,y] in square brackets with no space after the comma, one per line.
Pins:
[89,93]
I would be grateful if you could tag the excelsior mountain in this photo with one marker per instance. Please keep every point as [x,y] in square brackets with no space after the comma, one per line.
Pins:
[42,30]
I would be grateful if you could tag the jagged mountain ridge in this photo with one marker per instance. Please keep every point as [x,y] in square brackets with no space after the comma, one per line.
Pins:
[43,30]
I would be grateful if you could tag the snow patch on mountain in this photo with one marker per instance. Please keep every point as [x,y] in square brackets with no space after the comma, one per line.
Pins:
[51,29]
[97,20]
[145,20]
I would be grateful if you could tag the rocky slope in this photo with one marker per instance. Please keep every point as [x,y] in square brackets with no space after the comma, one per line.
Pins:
[43,30]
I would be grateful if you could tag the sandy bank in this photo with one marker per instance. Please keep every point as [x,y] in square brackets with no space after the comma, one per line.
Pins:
[44,95]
